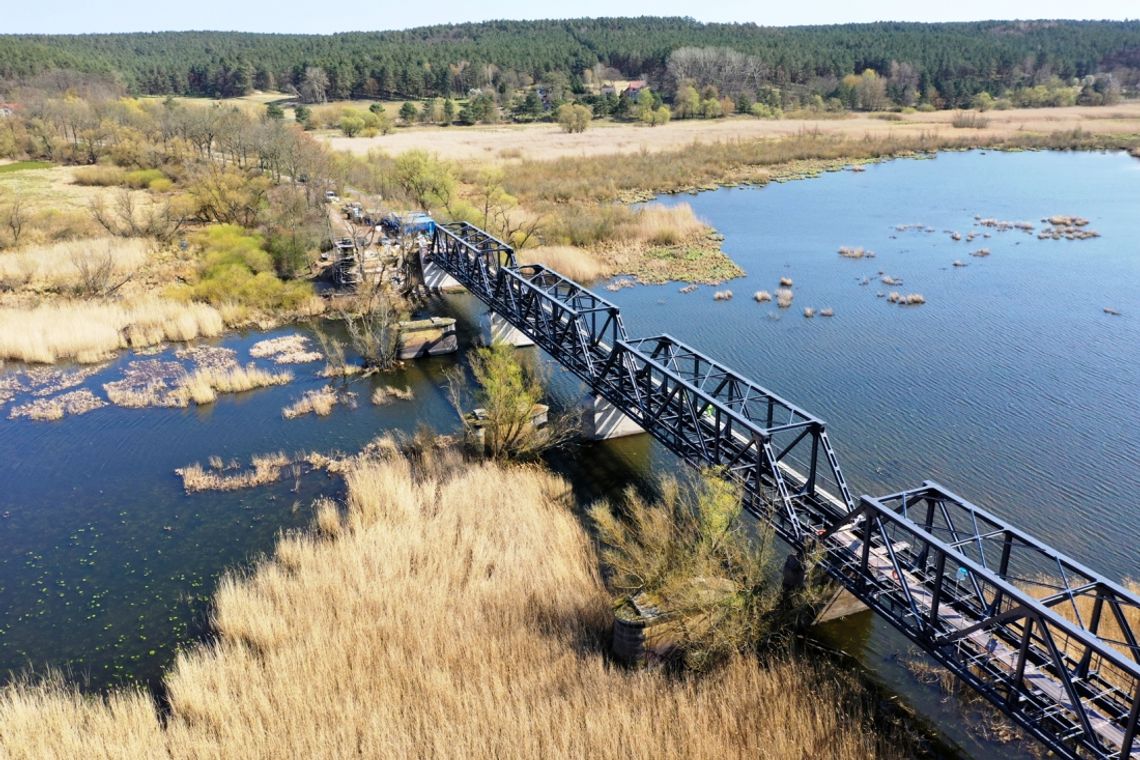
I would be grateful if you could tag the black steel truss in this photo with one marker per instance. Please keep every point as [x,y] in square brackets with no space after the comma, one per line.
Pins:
[1045,639]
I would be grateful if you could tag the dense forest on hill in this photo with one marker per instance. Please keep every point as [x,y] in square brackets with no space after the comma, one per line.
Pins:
[954,60]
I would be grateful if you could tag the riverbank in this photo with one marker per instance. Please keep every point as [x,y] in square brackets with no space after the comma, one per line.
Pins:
[427,617]
[511,143]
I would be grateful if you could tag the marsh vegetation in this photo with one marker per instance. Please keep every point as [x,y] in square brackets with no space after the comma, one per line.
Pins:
[513,624]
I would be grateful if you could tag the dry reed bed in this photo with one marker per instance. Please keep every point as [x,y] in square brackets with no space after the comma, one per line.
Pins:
[319,402]
[58,407]
[204,385]
[286,349]
[72,264]
[91,331]
[442,621]
[266,469]
[570,261]
[385,394]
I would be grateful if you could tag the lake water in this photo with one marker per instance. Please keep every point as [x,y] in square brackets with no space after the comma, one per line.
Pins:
[1011,386]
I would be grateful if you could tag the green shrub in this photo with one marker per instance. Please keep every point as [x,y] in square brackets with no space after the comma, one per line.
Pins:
[761,111]
[141,178]
[236,269]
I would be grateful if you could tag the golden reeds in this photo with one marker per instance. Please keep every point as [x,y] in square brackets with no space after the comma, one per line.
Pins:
[91,331]
[74,264]
[438,619]
[285,349]
[266,469]
[387,393]
[664,225]
[234,379]
[319,402]
[57,407]
[570,261]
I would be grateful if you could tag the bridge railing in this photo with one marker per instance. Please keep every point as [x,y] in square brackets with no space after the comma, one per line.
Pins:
[705,412]
[1066,680]
[798,439]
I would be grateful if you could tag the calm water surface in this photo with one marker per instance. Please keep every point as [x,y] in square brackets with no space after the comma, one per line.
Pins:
[1010,386]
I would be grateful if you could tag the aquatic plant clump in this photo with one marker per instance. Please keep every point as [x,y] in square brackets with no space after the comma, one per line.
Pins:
[286,349]
[621,284]
[722,295]
[236,379]
[385,394]
[267,468]
[148,383]
[762,296]
[58,407]
[1067,228]
[208,357]
[319,402]
[784,297]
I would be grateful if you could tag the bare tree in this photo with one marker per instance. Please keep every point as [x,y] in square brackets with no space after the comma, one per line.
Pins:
[374,332]
[15,218]
[731,72]
[314,85]
[96,274]
[126,218]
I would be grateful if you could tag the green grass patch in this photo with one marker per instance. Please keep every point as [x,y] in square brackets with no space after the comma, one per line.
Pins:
[20,166]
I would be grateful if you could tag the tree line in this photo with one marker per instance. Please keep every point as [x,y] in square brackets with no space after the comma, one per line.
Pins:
[949,63]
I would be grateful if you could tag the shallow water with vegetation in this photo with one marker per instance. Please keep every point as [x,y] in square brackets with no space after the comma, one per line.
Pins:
[1011,385]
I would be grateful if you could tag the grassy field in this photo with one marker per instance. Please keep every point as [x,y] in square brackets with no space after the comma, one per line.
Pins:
[44,186]
[429,617]
[508,142]
[11,167]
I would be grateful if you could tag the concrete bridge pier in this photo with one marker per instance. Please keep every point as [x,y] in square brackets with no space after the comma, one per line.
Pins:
[435,279]
[602,420]
[840,604]
[502,331]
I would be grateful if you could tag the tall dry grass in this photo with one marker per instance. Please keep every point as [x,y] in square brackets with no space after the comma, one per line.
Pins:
[203,386]
[266,469]
[570,261]
[664,225]
[438,619]
[88,331]
[71,265]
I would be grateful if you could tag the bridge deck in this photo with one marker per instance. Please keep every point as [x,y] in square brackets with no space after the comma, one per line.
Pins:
[1059,657]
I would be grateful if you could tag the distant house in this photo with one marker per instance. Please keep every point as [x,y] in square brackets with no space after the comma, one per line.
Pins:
[7,109]
[608,89]
[635,87]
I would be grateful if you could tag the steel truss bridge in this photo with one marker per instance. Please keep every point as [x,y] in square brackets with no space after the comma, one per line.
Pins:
[1046,640]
